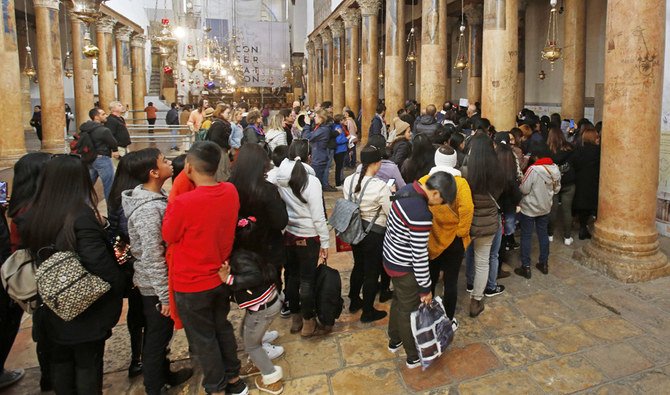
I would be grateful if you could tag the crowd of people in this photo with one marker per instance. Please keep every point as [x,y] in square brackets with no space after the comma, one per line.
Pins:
[245,221]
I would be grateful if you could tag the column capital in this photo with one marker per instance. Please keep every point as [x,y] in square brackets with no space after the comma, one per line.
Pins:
[122,33]
[369,7]
[318,42]
[138,40]
[351,17]
[310,47]
[53,4]
[474,13]
[105,24]
[337,28]
[327,36]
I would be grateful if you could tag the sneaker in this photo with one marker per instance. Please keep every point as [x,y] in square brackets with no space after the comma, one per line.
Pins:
[338,187]
[490,292]
[551,238]
[179,377]
[285,311]
[135,368]
[9,377]
[385,296]
[523,272]
[543,267]
[454,325]
[469,287]
[355,305]
[273,351]
[275,388]
[270,336]
[374,315]
[249,369]
[413,363]
[568,241]
[394,347]
[237,388]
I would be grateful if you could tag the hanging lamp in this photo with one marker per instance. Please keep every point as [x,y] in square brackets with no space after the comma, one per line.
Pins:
[87,11]
[28,68]
[461,62]
[411,41]
[551,50]
[68,65]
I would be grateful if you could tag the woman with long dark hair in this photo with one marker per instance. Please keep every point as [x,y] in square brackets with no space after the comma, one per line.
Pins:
[420,161]
[586,162]
[486,183]
[374,197]
[64,217]
[561,152]
[509,200]
[306,237]
[118,235]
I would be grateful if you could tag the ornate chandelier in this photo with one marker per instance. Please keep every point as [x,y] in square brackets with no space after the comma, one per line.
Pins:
[87,11]
[461,59]
[28,68]
[411,42]
[551,50]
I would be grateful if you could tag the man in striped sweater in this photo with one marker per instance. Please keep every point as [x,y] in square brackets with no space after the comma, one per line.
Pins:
[406,255]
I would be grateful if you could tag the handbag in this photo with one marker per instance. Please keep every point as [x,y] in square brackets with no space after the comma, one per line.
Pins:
[66,286]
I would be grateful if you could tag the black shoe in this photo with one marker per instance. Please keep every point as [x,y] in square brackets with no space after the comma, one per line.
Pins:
[135,368]
[237,388]
[503,274]
[45,384]
[355,305]
[523,272]
[544,268]
[285,311]
[395,347]
[412,363]
[584,234]
[490,292]
[373,315]
[329,188]
[179,377]
[385,295]
[469,287]
[9,377]
[512,244]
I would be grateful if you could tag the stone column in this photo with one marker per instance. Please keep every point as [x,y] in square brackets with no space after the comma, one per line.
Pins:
[337,28]
[327,38]
[139,79]
[352,92]
[434,48]
[318,50]
[106,89]
[574,60]
[395,72]
[369,64]
[474,14]
[50,75]
[521,76]
[83,73]
[500,60]
[124,67]
[26,105]
[311,73]
[625,241]
[12,141]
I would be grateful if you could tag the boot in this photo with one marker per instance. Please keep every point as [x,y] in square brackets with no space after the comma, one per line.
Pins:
[523,271]
[543,267]
[584,233]
[271,383]
[296,325]
[308,327]
[476,307]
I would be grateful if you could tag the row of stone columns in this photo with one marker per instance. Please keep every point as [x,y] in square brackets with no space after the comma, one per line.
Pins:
[130,75]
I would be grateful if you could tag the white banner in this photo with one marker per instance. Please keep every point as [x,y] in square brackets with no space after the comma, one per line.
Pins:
[262,48]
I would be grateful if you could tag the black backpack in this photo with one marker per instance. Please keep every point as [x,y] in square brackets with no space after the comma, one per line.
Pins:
[83,146]
[329,300]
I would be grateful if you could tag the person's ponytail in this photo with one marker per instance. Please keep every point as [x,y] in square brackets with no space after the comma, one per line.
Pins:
[298,180]
[364,170]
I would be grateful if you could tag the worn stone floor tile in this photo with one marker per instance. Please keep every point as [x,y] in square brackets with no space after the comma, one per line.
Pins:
[311,385]
[118,383]
[653,289]
[519,350]
[582,306]
[22,354]
[663,304]
[656,381]
[436,375]
[618,360]
[117,350]
[543,309]
[28,385]
[634,309]
[379,378]
[611,328]
[502,320]
[565,339]
[563,268]
[364,346]
[501,383]
[612,389]
[656,351]
[566,374]
[470,330]
[310,357]
[179,346]
[591,283]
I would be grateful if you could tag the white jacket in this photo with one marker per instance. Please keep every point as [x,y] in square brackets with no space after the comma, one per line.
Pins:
[304,219]
[275,138]
[538,187]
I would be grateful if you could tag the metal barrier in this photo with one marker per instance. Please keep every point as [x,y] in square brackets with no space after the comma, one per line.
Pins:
[161,137]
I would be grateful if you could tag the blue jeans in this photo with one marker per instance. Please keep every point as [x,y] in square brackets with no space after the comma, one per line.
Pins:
[331,156]
[319,171]
[102,167]
[510,223]
[491,283]
[540,223]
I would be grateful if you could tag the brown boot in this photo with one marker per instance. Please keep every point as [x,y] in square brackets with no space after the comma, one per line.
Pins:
[476,307]
[308,327]
[323,330]
[296,325]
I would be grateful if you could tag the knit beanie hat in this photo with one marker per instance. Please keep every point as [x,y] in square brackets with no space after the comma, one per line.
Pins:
[370,154]
[400,126]
[446,160]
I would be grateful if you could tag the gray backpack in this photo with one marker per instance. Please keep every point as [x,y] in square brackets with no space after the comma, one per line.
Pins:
[346,218]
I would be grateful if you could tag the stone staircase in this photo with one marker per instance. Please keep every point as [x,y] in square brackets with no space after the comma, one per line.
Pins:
[155,83]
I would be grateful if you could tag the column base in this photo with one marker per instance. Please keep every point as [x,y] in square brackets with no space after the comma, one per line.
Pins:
[8,161]
[54,147]
[624,265]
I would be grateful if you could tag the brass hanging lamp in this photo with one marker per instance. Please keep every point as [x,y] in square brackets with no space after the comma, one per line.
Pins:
[87,11]
[68,64]
[551,50]
[28,68]
[411,42]
[461,62]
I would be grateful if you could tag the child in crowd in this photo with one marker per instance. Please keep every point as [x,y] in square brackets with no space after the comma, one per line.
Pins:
[145,206]
[201,242]
[541,182]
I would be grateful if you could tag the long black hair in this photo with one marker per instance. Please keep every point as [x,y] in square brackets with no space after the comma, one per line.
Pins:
[248,173]
[27,172]
[483,173]
[507,163]
[123,180]
[299,152]
[421,160]
[63,193]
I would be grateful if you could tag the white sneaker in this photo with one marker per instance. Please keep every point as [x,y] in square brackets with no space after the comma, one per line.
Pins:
[551,238]
[454,325]
[270,336]
[568,241]
[273,351]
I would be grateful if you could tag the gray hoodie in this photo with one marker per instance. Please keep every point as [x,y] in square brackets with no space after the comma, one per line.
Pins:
[538,187]
[145,210]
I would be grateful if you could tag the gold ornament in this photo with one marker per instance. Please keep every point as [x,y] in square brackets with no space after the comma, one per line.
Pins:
[91,51]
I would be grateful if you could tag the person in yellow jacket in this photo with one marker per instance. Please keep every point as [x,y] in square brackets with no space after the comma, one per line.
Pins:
[450,234]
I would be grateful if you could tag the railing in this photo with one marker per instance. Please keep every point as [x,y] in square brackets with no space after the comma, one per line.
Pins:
[161,137]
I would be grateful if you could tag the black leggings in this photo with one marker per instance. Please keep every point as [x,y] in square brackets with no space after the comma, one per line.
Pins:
[300,273]
[368,255]
[339,166]
[448,262]
[77,368]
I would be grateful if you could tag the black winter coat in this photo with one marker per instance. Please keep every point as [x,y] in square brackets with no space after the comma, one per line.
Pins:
[117,125]
[251,280]
[102,137]
[426,124]
[562,160]
[400,151]
[510,197]
[219,133]
[586,162]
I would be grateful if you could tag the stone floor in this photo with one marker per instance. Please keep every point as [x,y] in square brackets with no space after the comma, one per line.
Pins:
[573,330]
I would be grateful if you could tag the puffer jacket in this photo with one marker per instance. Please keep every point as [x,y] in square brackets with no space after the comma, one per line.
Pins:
[247,278]
[541,182]
[426,124]
[102,137]
[485,221]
